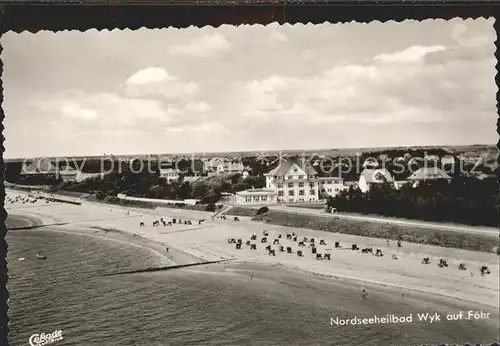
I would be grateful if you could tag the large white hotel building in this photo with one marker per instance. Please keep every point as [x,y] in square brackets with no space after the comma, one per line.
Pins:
[297,182]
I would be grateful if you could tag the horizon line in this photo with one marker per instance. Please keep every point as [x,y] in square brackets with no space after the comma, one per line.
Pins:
[258,151]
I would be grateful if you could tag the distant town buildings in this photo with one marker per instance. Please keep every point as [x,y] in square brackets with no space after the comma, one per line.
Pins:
[39,167]
[222,166]
[45,168]
[170,174]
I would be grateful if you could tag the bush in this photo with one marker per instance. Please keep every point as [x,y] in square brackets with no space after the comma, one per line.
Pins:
[210,207]
[262,210]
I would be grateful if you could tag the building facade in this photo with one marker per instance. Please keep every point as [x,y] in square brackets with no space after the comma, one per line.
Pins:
[222,166]
[170,174]
[256,197]
[295,182]
[375,176]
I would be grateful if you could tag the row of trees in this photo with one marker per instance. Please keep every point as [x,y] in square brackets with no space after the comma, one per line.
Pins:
[466,201]
[150,185]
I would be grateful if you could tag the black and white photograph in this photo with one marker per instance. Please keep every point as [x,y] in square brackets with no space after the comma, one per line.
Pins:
[306,184]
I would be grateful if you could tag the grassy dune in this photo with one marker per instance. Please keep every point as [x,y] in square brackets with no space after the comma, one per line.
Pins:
[411,234]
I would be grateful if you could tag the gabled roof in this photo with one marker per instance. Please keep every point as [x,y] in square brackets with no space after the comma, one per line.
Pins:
[429,173]
[378,175]
[282,169]
[257,192]
[69,171]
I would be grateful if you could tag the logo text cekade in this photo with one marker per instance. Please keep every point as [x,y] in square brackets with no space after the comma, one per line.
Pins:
[420,317]
[45,338]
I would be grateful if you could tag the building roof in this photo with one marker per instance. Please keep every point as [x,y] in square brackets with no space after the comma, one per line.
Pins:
[285,166]
[429,173]
[256,192]
[169,170]
[379,175]
[69,171]
[189,179]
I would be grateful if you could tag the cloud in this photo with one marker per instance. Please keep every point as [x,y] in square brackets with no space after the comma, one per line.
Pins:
[204,46]
[149,75]
[278,36]
[409,55]
[156,82]
[394,87]
[104,110]
[198,107]
[210,128]
[77,111]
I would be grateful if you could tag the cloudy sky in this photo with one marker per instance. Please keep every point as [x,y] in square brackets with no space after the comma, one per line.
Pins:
[249,88]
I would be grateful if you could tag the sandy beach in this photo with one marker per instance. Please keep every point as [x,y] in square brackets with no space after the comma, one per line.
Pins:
[209,242]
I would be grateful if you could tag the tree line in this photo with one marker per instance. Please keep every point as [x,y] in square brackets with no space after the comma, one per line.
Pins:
[464,200]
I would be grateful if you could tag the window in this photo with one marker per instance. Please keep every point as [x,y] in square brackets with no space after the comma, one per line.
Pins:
[337,190]
[280,193]
[280,186]
[291,193]
[329,190]
[248,199]
[255,198]
[263,198]
[295,170]
[301,184]
[290,177]
[311,185]
[311,192]
[290,185]
[301,177]
[301,192]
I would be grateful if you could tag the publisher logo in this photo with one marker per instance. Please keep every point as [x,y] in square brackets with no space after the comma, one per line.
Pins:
[45,339]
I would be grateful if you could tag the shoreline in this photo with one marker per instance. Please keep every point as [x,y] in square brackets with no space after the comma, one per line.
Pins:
[192,244]
[173,256]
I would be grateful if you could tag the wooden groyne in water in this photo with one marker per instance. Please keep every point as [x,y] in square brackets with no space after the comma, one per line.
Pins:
[157,269]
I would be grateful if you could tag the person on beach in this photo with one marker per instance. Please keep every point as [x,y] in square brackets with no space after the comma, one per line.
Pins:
[363,292]
[167,249]
[251,276]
